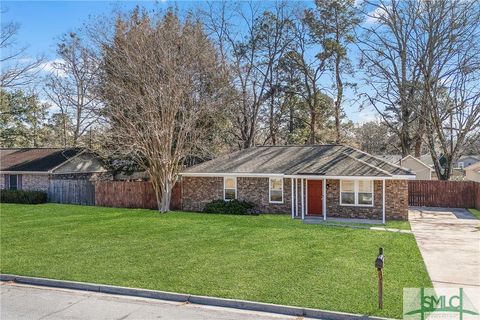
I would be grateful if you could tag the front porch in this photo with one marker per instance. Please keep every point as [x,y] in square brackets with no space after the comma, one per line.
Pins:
[317,199]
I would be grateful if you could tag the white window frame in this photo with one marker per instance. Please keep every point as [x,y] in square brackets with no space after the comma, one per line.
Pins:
[270,190]
[224,187]
[355,192]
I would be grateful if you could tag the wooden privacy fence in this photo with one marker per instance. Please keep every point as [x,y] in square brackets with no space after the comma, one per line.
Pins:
[451,194]
[75,191]
[132,194]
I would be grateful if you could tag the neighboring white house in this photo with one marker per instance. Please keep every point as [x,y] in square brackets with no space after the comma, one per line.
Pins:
[472,172]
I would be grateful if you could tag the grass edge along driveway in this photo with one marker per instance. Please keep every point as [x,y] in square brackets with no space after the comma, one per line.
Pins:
[475,212]
[267,258]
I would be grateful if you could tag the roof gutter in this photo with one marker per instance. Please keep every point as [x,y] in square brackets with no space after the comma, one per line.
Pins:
[307,176]
[26,172]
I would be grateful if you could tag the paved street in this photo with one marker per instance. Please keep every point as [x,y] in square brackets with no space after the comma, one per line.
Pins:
[449,240]
[35,303]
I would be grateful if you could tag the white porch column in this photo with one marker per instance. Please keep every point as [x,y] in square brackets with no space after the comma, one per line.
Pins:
[324,198]
[296,197]
[291,196]
[303,199]
[383,201]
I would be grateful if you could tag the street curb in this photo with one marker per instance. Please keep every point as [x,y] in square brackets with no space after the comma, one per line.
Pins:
[195,299]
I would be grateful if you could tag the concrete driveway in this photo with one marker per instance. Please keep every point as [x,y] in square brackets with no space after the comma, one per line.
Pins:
[31,302]
[449,241]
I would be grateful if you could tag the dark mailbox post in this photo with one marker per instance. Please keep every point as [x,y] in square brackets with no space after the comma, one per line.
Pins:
[379,262]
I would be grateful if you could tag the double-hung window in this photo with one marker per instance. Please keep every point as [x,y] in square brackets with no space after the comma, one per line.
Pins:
[276,190]
[229,188]
[13,181]
[356,192]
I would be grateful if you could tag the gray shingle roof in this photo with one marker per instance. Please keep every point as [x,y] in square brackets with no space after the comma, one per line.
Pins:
[34,159]
[392,158]
[326,160]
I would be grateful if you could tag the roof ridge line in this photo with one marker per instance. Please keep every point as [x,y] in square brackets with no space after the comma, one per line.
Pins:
[299,145]
[368,164]
[375,157]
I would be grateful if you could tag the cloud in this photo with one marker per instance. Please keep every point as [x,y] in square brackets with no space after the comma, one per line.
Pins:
[49,67]
[374,15]
[367,115]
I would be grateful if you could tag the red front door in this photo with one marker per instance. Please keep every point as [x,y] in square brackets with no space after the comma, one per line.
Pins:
[314,197]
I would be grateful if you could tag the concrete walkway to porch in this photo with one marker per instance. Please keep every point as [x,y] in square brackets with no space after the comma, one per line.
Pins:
[353,223]
[449,241]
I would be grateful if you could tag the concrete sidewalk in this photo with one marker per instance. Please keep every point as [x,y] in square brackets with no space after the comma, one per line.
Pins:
[449,241]
[31,302]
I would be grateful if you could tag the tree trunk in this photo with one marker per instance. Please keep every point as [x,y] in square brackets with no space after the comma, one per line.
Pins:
[290,120]
[405,139]
[313,119]
[64,131]
[166,197]
[338,102]
[272,120]
[162,185]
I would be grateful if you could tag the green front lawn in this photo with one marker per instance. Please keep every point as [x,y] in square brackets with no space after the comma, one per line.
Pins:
[267,258]
[393,224]
[475,212]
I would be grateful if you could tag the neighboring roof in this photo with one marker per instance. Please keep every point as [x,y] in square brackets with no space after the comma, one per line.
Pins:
[469,156]
[474,166]
[324,160]
[34,159]
[392,158]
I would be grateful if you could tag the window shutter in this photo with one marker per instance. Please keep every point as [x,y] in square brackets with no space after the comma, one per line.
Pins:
[7,182]
[19,182]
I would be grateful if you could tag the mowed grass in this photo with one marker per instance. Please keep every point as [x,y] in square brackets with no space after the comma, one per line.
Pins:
[394,224]
[268,258]
[475,212]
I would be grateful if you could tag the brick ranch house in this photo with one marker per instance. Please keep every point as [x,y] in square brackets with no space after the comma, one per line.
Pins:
[47,169]
[304,181]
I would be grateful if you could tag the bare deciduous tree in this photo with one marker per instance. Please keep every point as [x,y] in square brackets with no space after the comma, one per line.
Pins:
[162,81]
[334,22]
[307,63]
[71,86]
[16,68]
[447,42]
[391,71]
[252,47]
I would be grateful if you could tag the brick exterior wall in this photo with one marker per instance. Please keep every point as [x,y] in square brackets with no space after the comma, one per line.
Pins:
[334,209]
[256,190]
[198,191]
[38,182]
[35,182]
[396,201]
